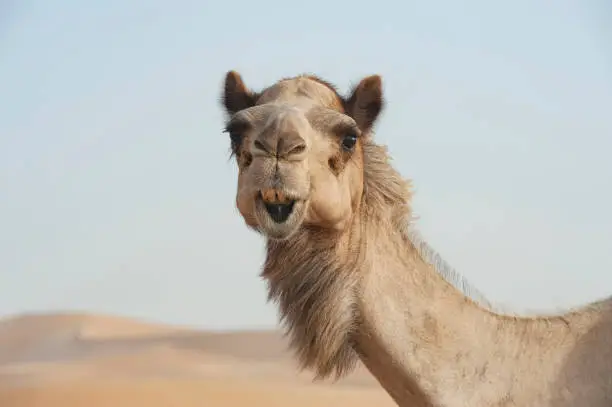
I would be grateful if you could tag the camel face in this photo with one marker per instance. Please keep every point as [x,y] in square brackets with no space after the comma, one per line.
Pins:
[298,146]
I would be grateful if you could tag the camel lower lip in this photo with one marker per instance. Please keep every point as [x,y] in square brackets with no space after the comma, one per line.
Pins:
[279,212]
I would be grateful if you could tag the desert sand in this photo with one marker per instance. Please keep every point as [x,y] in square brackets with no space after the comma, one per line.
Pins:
[69,360]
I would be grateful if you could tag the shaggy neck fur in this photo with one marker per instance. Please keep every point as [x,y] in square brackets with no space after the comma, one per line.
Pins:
[371,293]
[315,275]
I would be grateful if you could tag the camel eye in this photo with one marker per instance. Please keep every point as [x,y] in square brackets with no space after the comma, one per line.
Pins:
[349,141]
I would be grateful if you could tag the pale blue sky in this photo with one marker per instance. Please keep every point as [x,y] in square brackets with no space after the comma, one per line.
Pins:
[117,194]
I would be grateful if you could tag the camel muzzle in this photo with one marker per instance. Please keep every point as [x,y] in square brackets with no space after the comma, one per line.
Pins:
[277,204]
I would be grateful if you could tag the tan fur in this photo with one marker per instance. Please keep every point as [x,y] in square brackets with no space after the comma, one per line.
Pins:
[352,282]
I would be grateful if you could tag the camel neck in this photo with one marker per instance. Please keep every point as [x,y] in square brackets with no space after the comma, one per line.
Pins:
[366,293]
[429,345]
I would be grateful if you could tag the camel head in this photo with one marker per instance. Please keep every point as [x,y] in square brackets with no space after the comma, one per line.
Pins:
[299,149]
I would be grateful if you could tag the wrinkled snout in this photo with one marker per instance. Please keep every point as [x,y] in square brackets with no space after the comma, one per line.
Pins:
[277,180]
[284,135]
[281,168]
[285,146]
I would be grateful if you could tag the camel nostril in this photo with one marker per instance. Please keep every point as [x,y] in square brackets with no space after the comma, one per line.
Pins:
[300,148]
[290,143]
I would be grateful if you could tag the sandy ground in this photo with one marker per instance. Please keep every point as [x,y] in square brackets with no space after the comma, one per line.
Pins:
[71,360]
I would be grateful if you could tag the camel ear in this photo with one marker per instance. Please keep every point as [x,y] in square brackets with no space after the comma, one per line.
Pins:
[366,102]
[236,96]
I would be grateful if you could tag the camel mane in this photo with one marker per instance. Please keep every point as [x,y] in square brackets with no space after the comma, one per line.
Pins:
[450,274]
[387,182]
[382,180]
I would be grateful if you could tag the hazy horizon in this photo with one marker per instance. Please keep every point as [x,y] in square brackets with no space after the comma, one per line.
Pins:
[118,191]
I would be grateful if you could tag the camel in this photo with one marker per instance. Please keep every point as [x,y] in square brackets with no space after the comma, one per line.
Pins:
[354,280]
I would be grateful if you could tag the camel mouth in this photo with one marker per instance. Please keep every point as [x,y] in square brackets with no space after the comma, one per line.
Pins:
[279,212]
[279,215]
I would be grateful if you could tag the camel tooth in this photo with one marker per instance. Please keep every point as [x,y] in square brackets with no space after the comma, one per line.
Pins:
[271,195]
[281,197]
[268,195]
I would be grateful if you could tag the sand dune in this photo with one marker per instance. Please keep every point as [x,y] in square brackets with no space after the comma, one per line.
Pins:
[69,360]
